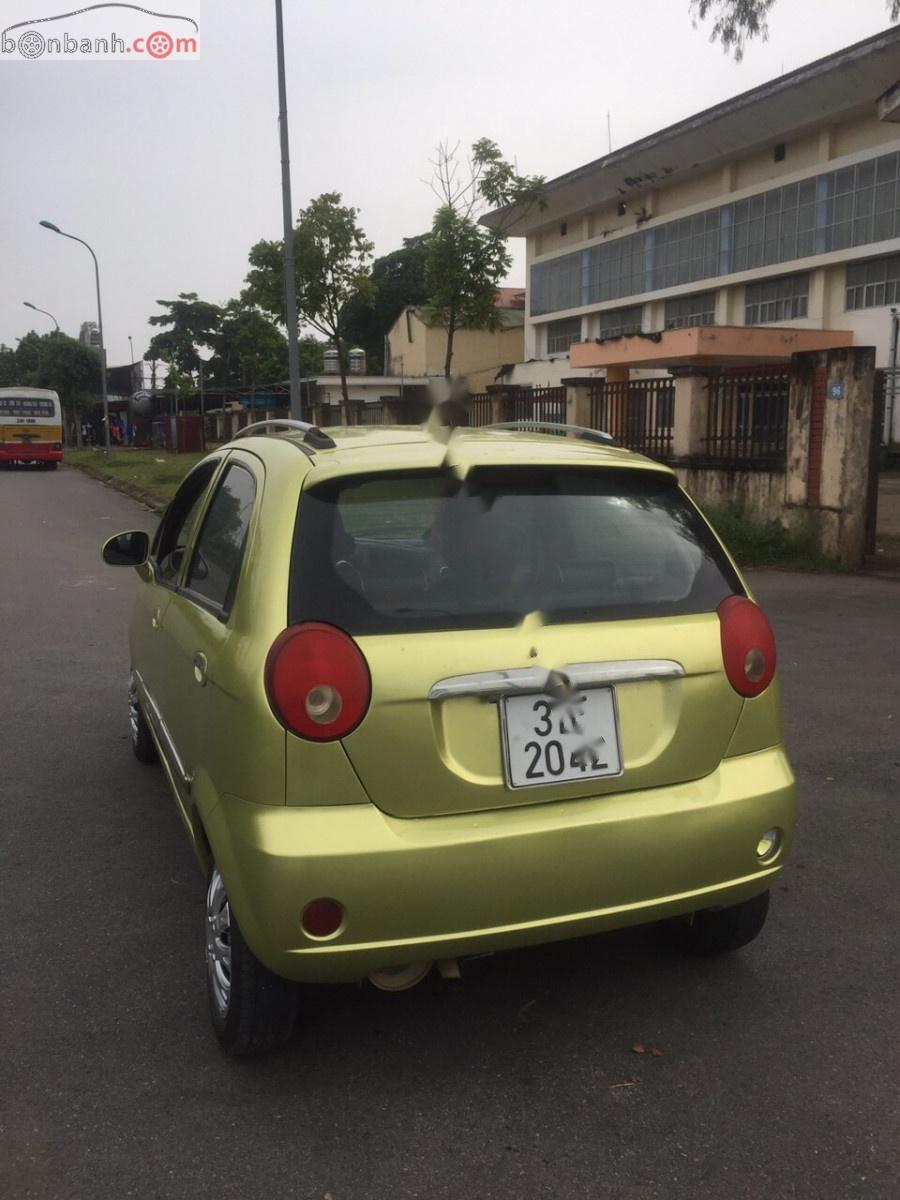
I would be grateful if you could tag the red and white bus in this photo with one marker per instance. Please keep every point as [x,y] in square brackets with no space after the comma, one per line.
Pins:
[30,426]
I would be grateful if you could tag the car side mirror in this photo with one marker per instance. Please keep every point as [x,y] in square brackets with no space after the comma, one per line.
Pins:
[199,569]
[127,549]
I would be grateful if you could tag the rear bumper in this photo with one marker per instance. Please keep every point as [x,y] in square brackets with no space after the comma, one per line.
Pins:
[443,887]
[29,452]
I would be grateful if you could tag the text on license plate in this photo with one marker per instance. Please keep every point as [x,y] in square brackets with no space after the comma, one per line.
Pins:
[547,740]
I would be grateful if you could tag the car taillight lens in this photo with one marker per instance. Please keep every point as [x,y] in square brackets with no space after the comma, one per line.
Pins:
[317,681]
[748,646]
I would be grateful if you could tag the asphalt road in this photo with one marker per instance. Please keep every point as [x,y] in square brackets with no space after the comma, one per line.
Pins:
[779,1068]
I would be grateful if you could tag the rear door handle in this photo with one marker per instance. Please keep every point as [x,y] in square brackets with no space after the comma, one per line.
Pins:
[200,668]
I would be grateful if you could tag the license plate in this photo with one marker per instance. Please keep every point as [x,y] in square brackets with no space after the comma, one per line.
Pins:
[553,741]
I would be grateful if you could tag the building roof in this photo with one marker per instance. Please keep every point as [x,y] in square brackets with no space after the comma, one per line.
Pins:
[840,85]
[510,297]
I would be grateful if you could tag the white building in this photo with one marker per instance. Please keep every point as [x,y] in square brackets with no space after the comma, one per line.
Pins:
[780,207]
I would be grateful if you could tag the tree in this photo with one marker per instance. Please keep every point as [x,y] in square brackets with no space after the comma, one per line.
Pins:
[63,364]
[9,371]
[192,323]
[736,22]
[466,261]
[399,280]
[249,349]
[331,256]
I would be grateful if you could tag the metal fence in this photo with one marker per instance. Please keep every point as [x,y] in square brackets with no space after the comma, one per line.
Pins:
[747,416]
[480,409]
[639,414]
[370,414]
[540,404]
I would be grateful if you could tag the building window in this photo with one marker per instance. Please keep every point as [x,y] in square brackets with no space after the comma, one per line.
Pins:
[621,322]
[874,283]
[853,206]
[691,310]
[561,335]
[783,299]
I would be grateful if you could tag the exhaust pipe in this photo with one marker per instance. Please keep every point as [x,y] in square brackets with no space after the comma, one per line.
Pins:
[401,979]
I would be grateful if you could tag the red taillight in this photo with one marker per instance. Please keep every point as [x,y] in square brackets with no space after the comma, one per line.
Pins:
[323,917]
[317,681]
[748,646]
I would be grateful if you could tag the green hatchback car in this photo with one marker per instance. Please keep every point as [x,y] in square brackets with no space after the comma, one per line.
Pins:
[420,697]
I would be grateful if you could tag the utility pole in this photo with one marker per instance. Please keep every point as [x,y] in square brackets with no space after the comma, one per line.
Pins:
[290,280]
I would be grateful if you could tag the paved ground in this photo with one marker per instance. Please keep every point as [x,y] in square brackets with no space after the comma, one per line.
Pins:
[779,1070]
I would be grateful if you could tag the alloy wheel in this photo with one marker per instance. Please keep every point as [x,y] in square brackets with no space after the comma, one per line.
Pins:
[218,943]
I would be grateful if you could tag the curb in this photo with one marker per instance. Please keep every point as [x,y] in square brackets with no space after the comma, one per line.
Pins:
[149,499]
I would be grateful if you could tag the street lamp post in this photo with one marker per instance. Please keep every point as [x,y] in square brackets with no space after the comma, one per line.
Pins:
[290,279]
[28,304]
[55,229]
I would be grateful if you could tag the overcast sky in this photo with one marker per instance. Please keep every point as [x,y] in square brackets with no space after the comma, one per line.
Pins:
[171,169]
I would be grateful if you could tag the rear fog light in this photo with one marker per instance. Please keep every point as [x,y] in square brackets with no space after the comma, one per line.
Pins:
[322,918]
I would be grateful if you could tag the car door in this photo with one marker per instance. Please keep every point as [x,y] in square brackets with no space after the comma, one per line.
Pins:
[204,649]
[167,564]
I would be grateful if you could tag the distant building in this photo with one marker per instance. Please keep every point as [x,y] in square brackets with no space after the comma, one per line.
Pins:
[89,335]
[777,208]
[414,347]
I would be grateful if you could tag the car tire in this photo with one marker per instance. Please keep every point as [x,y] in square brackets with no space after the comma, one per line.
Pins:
[721,930]
[252,1010]
[142,744]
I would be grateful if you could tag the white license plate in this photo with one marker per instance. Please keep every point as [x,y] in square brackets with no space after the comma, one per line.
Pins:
[552,741]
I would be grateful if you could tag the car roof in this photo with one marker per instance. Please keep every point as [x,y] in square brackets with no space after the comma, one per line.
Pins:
[360,449]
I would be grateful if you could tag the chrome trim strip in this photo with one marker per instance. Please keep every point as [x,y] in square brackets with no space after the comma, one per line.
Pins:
[492,685]
[164,735]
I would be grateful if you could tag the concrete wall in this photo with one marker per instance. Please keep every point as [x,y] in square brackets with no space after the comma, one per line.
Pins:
[825,478]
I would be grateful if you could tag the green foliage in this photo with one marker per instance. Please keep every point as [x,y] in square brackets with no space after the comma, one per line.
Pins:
[465,266]
[63,364]
[311,356]
[9,372]
[755,543]
[398,279]
[192,323]
[500,185]
[331,256]
[249,349]
[736,22]
[466,261]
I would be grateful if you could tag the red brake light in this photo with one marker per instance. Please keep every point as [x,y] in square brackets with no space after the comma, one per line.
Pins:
[748,645]
[317,681]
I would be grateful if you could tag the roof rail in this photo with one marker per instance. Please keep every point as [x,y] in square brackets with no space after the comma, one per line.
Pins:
[527,424]
[312,434]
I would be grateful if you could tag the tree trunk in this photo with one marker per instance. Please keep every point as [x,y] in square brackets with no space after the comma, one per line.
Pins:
[345,406]
[342,364]
[451,330]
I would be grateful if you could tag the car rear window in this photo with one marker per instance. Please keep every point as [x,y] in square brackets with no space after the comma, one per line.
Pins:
[427,551]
